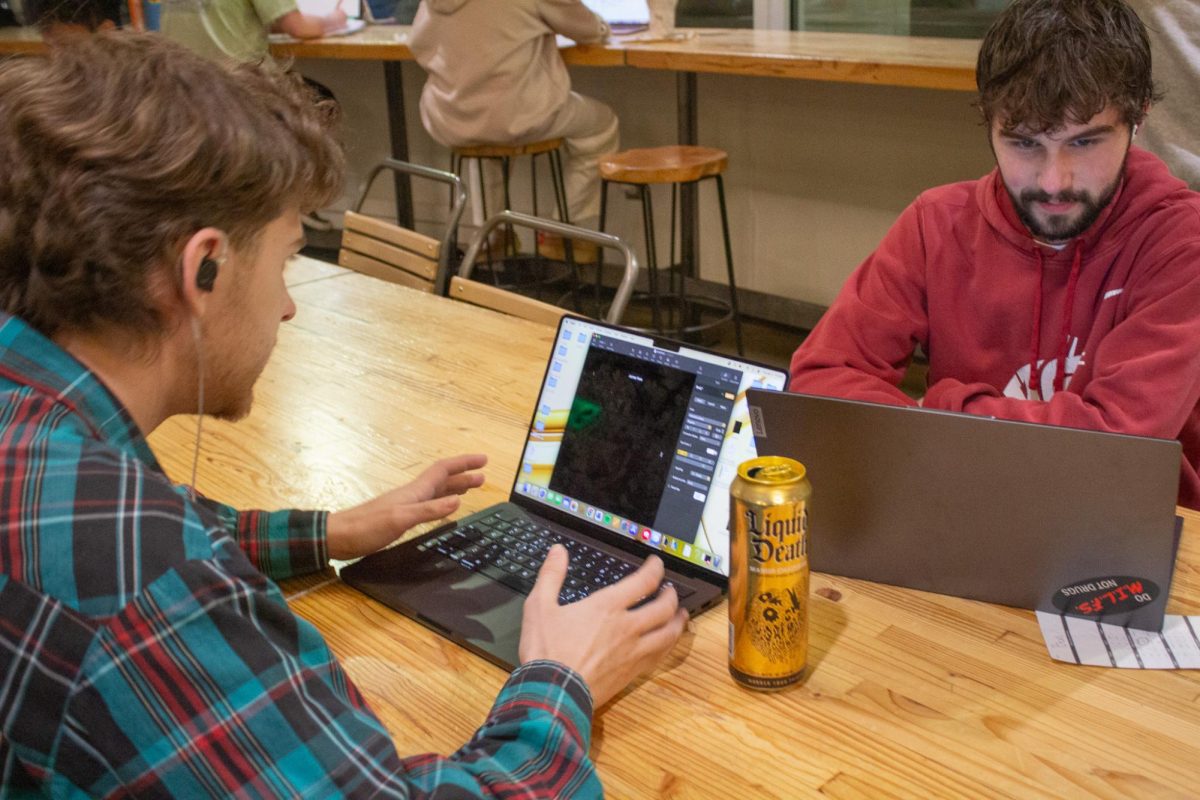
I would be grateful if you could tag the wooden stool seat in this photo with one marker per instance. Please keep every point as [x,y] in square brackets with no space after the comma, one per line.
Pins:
[670,164]
[507,150]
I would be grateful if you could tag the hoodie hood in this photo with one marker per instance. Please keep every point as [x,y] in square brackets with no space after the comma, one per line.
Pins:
[1146,184]
[445,6]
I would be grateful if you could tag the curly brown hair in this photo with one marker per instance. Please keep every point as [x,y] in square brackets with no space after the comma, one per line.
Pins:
[116,149]
[1047,63]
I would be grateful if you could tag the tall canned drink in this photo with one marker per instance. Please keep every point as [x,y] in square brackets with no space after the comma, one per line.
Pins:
[768,573]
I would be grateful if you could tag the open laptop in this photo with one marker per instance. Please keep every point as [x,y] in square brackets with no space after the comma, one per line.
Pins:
[622,16]
[323,8]
[1034,516]
[633,444]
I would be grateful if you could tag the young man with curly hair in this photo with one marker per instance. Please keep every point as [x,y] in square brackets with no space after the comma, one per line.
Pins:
[1063,287]
[149,199]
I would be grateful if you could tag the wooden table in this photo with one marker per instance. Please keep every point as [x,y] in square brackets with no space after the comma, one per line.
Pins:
[910,694]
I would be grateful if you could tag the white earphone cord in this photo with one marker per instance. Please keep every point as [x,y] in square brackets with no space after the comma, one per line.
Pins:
[199,400]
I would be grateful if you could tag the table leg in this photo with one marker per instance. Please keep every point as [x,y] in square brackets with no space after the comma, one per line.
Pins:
[393,78]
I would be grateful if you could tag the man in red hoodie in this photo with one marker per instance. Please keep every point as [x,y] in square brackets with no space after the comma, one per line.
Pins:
[1062,288]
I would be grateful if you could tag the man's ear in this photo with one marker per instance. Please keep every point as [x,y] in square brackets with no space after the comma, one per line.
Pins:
[200,268]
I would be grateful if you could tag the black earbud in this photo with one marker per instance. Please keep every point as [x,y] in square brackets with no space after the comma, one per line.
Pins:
[206,276]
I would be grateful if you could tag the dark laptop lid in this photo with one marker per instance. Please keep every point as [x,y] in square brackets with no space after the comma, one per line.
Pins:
[1026,515]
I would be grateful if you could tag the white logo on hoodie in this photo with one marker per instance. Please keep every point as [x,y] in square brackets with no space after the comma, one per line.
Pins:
[1019,388]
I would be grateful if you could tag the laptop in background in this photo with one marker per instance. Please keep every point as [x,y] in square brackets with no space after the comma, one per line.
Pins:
[631,450]
[323,8]
[1035,516]
[622,16]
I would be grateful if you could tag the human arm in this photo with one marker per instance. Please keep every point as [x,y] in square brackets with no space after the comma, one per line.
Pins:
[1145,372]
[571,18]
[862,345]
[208,672]
[283,544]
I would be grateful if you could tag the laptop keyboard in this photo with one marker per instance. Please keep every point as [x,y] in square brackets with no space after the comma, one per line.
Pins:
[510,548]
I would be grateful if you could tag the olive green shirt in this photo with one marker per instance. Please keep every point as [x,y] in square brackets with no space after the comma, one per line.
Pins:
[224,29]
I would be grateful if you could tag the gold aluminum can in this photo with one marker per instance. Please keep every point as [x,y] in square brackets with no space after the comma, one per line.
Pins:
[768,573]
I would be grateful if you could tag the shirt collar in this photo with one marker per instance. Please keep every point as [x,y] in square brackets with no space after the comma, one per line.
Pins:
[27,358]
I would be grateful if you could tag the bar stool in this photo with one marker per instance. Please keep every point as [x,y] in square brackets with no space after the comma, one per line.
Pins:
[505,153]
[676,165]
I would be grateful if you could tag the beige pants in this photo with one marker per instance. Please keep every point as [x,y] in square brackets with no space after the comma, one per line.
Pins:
[589,130]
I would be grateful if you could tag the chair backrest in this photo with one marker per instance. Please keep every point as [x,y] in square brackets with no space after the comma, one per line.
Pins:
[504,301]
[395,253]
[463,288]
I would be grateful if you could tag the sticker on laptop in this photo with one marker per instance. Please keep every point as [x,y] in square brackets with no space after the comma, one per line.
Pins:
[1100,596]
[757,425]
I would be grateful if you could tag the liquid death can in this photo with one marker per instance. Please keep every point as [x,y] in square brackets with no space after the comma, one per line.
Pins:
[768,573]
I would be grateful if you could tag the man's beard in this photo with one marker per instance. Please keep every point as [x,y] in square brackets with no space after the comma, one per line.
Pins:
[1060,227]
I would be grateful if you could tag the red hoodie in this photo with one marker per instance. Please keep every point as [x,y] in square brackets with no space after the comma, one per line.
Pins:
[959,275]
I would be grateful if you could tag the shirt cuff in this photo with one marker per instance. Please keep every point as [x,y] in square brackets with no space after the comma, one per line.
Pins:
[555,688]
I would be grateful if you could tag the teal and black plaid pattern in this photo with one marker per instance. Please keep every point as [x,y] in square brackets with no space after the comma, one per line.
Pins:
[144,652]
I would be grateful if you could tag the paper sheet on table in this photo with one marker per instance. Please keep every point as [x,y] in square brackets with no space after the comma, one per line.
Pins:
[1085,641]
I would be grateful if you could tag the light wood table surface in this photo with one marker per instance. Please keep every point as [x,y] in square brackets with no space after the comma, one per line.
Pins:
[922,62]
[909,695]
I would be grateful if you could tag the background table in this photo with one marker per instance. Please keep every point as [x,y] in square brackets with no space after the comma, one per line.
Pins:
[909,694]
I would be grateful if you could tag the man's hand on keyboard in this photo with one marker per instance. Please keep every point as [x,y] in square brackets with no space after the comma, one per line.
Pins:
[377,523]
[602,637]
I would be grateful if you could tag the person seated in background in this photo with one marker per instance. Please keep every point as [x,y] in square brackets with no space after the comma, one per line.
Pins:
[237,29]
[62,19]
[495,76]
[1063,287]
[145,647]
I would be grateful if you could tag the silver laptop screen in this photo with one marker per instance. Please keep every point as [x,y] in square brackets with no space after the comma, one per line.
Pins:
[621,12]
[642,440]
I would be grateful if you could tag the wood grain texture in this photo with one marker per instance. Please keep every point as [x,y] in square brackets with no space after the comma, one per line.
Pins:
[675,163]
[909,694]
[922,62]
[504,301]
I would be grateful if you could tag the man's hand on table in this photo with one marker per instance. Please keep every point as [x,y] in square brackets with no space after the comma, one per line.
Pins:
[600,637]
[377,523]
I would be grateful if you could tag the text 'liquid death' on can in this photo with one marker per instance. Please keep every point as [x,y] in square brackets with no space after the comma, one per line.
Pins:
[768,573]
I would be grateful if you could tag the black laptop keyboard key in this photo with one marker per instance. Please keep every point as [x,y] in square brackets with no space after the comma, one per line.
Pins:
[511,551]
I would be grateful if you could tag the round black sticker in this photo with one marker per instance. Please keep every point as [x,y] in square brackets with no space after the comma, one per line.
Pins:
[1098,596]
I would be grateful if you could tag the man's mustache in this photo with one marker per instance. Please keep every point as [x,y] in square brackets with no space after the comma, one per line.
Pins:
[1039,196]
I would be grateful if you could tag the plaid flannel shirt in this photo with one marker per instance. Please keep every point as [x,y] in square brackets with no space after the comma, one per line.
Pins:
[144,652]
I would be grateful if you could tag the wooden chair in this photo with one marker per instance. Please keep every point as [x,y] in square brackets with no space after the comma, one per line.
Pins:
[394,253]
[493,297]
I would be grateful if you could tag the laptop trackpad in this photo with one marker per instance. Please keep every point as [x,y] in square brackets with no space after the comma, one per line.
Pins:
[475,611]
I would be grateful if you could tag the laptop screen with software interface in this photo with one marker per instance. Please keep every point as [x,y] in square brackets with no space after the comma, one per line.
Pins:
[642,440]
[621,12]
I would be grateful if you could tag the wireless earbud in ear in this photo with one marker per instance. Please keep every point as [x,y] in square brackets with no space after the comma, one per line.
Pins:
[1135,127]
[206,276]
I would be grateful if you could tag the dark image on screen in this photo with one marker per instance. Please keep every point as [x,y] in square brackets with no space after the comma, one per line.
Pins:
[621,434]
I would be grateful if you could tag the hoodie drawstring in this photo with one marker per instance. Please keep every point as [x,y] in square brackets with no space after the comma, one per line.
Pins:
[1060,374]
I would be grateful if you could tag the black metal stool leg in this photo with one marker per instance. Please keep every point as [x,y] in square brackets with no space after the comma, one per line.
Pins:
[510,239]
[600,250]
[733,307]
[673,268]
[564,215]
[487,243]
[651,256]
